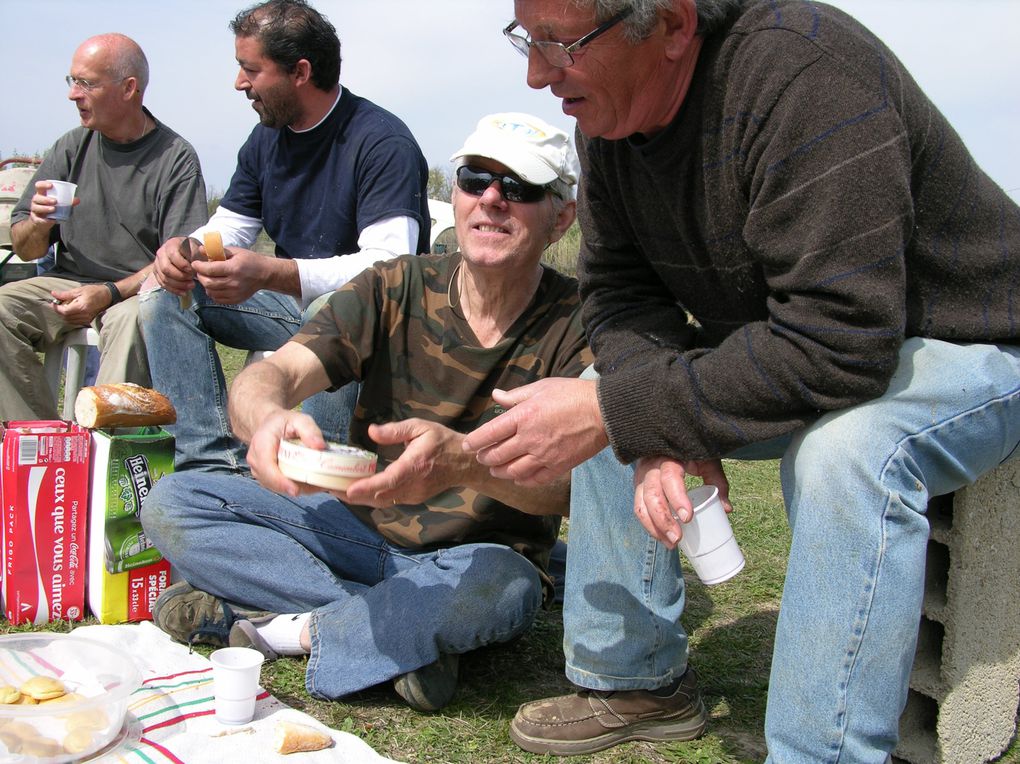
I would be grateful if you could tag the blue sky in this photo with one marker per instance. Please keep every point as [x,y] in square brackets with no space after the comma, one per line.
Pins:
[442,64]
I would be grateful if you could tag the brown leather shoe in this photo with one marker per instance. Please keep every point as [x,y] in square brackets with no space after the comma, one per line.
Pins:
[592,720]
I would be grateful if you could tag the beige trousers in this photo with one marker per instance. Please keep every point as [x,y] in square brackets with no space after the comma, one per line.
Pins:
[29,325]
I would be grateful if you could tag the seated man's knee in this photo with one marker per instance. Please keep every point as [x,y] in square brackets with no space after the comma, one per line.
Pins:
[163,510]
[154,304]
[148,304]
[499,574]
[838,444]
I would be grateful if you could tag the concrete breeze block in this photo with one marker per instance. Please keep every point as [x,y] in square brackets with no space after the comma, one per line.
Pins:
[965,683]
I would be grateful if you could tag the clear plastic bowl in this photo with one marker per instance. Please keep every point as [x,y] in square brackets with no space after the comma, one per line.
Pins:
[73,728]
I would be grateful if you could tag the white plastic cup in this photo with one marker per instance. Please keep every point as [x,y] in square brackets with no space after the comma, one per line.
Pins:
[236,673]
[63,192]
[708,542]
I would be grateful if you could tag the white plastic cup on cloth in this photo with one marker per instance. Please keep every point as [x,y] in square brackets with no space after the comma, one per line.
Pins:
[63,192]
[236,673]
[708,542]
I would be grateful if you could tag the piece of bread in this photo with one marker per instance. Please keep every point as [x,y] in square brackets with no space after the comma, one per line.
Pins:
[213,245]
[122,404]
[292,737]
[9,694]
[43,687]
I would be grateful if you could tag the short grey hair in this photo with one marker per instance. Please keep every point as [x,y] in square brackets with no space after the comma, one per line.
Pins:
[560,190]
[559,202]
[712,14]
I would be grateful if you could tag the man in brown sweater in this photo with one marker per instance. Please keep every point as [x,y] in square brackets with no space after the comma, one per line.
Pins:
[788,252]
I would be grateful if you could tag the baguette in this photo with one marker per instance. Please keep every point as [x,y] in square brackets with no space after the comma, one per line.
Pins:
[122,404]
[292,737]
[213,245]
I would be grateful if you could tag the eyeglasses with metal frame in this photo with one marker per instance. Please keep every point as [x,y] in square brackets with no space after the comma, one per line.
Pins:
[87,86]
[474,181]
[556,53]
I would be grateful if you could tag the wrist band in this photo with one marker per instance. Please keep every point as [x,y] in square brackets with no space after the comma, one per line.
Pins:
[115,295]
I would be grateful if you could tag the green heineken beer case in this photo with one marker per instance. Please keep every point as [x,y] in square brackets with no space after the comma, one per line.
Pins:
[125,464]
[134,459]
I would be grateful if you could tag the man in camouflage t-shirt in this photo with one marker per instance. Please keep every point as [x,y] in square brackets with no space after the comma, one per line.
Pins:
[432,556]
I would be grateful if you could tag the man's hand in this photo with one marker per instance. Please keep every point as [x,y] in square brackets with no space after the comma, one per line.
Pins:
[660,495]
[432,461]
[234,280]
[31,237]
[172,269]
[281,424]
[80,306]
[42,206]
[551,426]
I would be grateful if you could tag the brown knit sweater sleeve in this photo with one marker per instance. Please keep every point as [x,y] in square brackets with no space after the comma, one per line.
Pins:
[807,209]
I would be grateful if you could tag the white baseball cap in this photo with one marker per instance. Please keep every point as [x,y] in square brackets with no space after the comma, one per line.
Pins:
[535,150]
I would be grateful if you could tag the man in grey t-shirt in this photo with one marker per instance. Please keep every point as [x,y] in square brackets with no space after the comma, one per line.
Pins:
[139,183]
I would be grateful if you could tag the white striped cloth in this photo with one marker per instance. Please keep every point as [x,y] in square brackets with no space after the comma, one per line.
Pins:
[171,718]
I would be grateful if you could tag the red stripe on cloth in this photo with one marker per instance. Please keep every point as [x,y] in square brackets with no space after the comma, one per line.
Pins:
[45,663]
[183,717]
[166,752]
[176,719]
[174,676]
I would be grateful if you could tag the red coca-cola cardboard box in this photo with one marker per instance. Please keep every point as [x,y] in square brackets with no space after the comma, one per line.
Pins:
[45,481]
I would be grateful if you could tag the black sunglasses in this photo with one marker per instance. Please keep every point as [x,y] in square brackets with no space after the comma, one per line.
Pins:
[474,181]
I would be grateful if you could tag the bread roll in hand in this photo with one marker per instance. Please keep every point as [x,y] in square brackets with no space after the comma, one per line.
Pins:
[213,245]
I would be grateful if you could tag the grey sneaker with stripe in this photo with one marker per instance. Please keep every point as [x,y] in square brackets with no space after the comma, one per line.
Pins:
[194,617]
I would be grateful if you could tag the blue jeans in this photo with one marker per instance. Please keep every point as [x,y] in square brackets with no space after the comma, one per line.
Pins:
[856,485]
[378,610]
[184,365]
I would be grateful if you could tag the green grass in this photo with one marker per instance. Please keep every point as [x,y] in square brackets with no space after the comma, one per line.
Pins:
[731,629]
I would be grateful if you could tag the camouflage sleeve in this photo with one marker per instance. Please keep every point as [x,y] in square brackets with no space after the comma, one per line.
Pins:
[342,333]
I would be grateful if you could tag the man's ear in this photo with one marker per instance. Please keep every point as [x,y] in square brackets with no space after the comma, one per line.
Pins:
[564,219]
[681,22]
[130,87]
[302,72]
